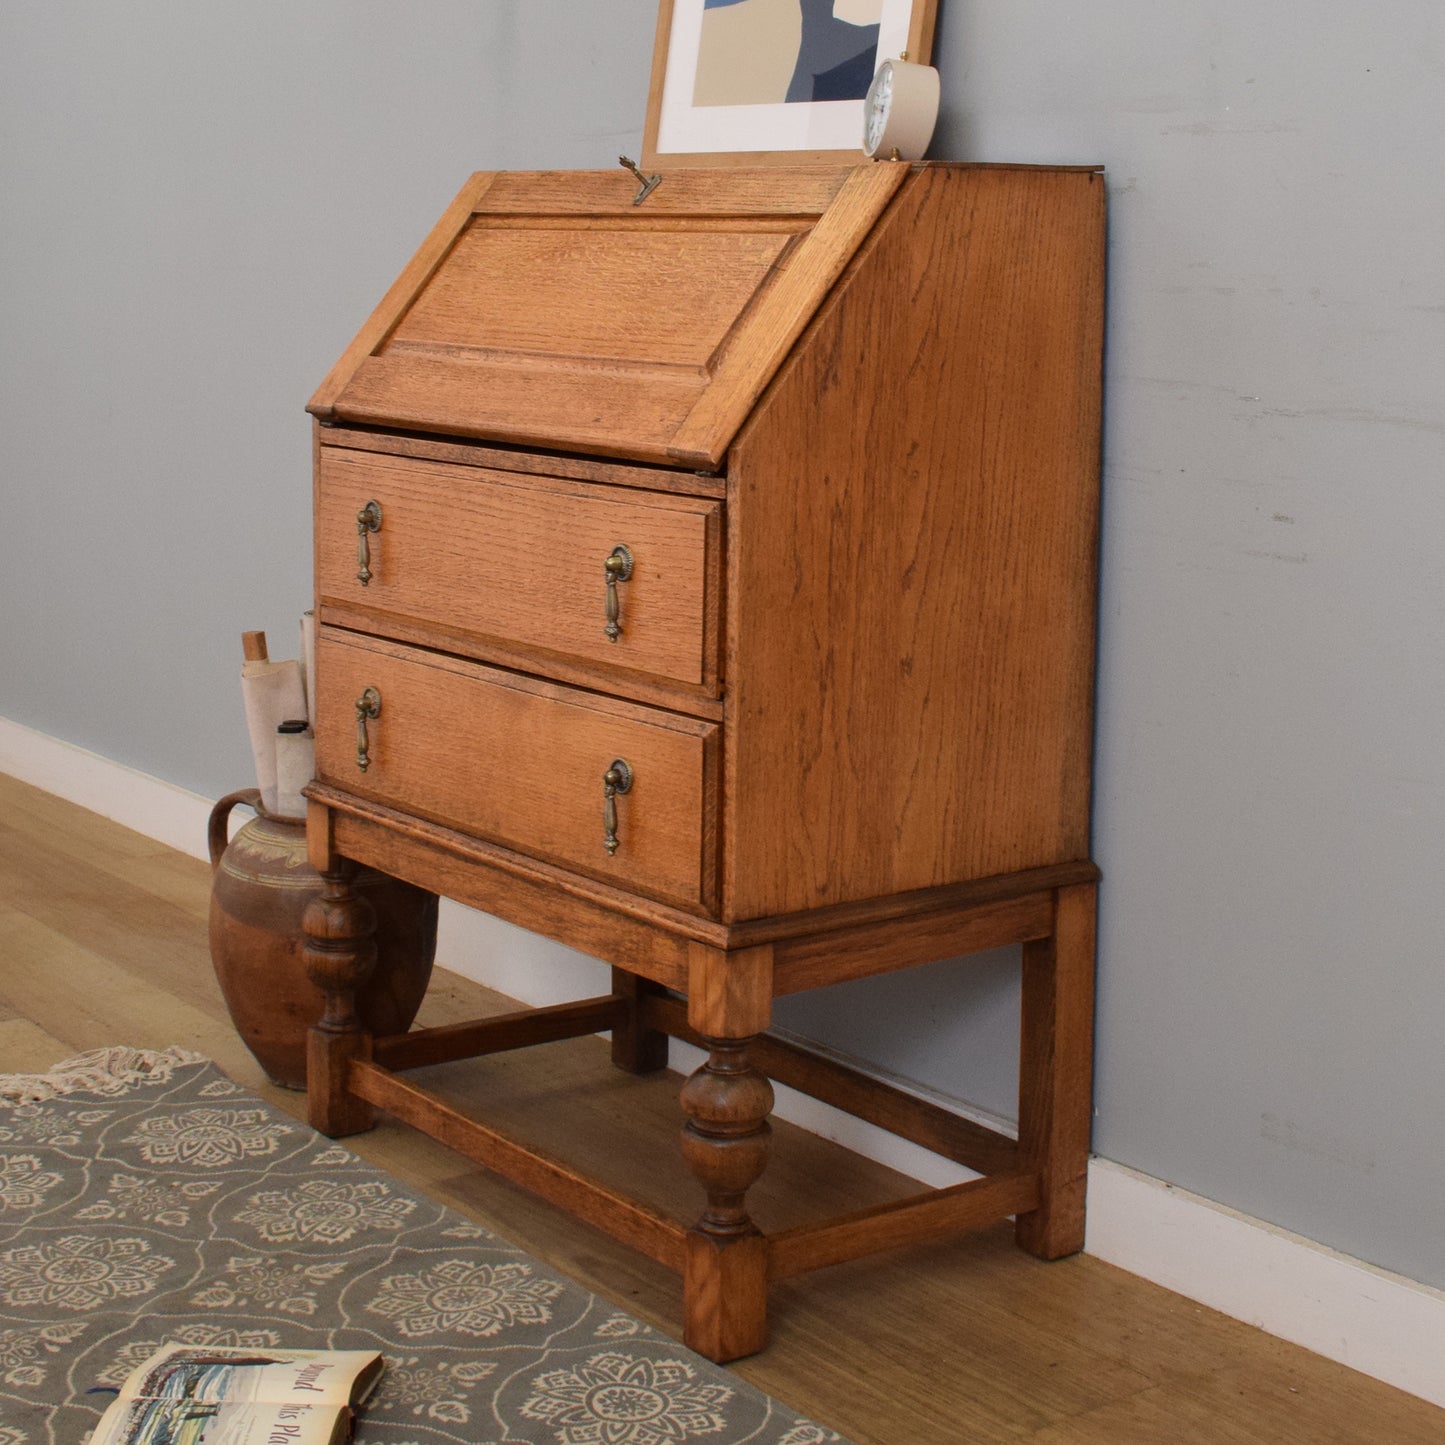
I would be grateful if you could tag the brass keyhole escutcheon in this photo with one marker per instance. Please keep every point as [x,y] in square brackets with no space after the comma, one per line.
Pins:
[617,779]
[368,520]
[617,568]
[368,708]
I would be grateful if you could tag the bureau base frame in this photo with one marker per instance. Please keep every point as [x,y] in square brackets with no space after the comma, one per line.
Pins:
[719,998]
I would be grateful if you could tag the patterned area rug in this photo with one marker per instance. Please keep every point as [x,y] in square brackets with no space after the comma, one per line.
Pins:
[145,1197]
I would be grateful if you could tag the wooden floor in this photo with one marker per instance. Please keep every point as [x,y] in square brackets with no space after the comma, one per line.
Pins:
[103,941]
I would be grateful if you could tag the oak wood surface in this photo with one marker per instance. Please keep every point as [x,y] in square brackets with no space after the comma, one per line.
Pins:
[621,1215]
[521,559]
[445,1043]
[103,941]
[528,462]
[521,762]
[528,892]
[1056,1061]
[911,539]
[805,190]
[943,1132]
[595,916]
[887,1226]
[594,293]
[647,332]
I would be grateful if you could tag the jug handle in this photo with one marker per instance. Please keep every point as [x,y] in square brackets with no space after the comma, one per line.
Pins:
[216,828]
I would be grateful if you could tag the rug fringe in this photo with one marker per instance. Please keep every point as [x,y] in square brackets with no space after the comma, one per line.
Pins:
[99,1071]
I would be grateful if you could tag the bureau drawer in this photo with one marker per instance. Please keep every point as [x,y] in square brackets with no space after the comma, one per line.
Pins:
[521,561]
[522,763]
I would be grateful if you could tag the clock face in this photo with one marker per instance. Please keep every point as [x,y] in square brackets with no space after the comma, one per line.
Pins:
[900,111]
[876,106]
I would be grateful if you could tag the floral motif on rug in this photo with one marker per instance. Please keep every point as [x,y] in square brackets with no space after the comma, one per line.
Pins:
[145,1197]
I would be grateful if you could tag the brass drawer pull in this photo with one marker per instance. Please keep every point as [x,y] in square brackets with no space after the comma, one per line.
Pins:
[617,779]
[368,520]
[618,568]
[368,706]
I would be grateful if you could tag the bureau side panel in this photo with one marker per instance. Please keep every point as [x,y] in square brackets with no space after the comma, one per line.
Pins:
[913,518]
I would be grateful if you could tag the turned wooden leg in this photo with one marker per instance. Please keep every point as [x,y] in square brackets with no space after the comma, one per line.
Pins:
[725,1142]
[339,951]
[637,1049]
[1056,1074]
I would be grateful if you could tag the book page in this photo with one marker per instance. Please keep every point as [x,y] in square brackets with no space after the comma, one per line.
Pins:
[193,1422]
[209,1373]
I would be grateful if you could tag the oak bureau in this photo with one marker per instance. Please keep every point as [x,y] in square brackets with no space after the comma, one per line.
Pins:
[706,580]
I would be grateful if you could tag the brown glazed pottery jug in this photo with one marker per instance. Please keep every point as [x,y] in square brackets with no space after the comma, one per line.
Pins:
[261,883]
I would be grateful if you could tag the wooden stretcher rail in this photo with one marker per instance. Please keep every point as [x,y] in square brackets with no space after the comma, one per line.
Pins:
[495,1035]
[910,1221]
[927,1125]
[627,1219]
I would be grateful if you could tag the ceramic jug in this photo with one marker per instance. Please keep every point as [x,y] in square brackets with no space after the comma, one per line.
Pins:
[260,885]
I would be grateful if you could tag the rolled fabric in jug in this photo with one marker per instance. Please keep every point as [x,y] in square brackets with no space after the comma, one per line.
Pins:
[295,766]
[272,692]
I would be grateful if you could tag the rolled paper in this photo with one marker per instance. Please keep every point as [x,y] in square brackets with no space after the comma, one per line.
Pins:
[295,766]
[308,663]
[272,692]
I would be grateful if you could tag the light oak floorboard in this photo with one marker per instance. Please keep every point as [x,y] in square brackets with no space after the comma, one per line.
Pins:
[103,941]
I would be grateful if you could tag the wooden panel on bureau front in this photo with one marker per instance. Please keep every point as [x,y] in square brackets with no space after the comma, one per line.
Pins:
[590,325]
[521,763]
[520,559]
[594,295]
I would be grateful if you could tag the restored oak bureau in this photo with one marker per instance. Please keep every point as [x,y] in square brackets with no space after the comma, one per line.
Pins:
[706,580]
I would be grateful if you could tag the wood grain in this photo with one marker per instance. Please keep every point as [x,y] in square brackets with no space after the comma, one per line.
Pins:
[621,1216]
[912,520]
[756,346]
[520,762]
[647,332]
[865,1097]
[526,1028]
[802,190]
[1056,1073]
[464,453]
[729,995]
[521,560]
[931,1215]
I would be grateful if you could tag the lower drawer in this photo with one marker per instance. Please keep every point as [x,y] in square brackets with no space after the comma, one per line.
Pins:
[523,763]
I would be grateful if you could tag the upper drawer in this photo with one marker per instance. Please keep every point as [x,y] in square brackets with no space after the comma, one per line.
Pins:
[523,560]
[551,310]
[522,763]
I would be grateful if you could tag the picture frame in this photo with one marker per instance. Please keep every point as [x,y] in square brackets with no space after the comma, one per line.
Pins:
[711,103]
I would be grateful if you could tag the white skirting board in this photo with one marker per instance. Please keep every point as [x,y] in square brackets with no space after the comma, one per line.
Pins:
[1379,1323]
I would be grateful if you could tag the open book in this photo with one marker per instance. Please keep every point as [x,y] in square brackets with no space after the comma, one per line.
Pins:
[189,1394]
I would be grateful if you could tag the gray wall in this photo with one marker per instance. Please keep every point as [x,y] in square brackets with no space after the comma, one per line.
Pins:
[200,203]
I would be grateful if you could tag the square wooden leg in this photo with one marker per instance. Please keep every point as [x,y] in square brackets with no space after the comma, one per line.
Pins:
[1056,1074]
[634,1048]
[725,1295]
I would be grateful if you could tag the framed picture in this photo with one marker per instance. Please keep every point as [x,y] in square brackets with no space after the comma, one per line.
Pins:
[747,82]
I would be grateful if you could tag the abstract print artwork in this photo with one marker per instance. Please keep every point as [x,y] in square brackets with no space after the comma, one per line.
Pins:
[759,52]
[760,77]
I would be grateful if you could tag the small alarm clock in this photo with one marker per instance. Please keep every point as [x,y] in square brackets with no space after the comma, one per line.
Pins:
[900,111]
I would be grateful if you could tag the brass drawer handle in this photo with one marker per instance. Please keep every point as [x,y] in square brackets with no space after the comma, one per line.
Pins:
[368,520]
[617,779]
[368,706]
[618,568]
